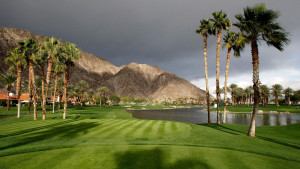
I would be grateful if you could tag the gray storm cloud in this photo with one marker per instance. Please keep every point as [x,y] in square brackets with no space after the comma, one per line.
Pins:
[155,32]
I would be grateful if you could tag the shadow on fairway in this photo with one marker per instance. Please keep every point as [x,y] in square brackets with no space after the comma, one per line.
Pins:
[68,131]
[154,158]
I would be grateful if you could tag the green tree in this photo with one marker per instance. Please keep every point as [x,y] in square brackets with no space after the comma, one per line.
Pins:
[70,52]
[276,91]
[40,58]
[231,41]
[8,79]
[58,68]
[232,88]
[265,92]
[30,47]
[221,22]
[52,47]
[102,92]
[287,92]
[206,28]
[259,23]
[17,60]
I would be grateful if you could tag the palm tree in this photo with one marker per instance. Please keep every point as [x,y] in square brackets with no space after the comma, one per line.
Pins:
[232,88]
[60,89]
[8,79]
[70,53]
[220,22]
[51,46]
[40,58]
[276,91]
[30,48]
[17,60]
[58,68]
[249,91]
[102,91]
[82,85]
[259,23]
[288,91]
[206,28]
[232,41]
[90,95]
[265,91]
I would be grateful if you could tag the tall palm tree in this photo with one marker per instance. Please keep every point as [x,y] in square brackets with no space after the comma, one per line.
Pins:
[51,45]
[8,79]
[288,91]
[276,91]
[206,28]
[221,22]
[17,60]
[231,41]
[259,23]
[82,85]
[40,58]
[102,91]
[70,53]
[265,91]
[31,46]
[248,91]
[58,69]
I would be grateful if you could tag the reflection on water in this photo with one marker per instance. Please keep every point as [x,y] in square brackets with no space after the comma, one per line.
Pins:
[197,115]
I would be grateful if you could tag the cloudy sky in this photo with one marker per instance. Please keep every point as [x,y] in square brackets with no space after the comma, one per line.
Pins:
[159,32]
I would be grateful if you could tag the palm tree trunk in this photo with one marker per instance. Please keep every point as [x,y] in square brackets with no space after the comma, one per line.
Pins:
[29,90]
[218,74]
[31,72]
[66,80]
[49,72]
[255,64]
[43,92]
[100,100]
[18,88]
[54,92]
[225,84]
[276,99]
[289,100]
[8,100]
[206,76]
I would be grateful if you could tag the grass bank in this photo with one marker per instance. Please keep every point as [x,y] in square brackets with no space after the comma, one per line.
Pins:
[108,137]
[245,108]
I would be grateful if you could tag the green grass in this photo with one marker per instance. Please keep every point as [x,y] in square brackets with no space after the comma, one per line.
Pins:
[245,108]
[109,137]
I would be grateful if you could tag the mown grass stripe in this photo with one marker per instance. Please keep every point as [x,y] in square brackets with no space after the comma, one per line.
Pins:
[134,128]
[174,126]
[108,126]
[155,128]
[149,128]
[117,131]
[161,129]
[140,131]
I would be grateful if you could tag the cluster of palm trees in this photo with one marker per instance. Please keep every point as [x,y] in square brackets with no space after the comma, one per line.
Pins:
[246,96]
[255,24]
[52,54]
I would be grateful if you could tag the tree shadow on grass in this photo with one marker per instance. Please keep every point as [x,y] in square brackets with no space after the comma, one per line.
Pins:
[237,132]
[65,131]
[154,158]
[36,128]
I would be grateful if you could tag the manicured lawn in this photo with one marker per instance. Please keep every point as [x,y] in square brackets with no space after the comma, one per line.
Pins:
[108,137]
[245,108]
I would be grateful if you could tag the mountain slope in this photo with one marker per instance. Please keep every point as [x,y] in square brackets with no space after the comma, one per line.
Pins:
[134,80]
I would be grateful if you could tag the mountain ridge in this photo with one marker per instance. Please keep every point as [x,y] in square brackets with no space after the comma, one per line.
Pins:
[132,80]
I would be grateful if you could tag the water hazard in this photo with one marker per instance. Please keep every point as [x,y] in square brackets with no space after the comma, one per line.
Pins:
[197,115]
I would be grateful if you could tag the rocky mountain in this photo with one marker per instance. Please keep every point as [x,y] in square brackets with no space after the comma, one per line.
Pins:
[133,80]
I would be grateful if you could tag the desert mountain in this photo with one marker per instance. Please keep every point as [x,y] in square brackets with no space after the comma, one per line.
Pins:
[134,80]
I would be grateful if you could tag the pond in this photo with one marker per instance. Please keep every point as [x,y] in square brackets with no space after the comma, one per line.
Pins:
[197,115]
